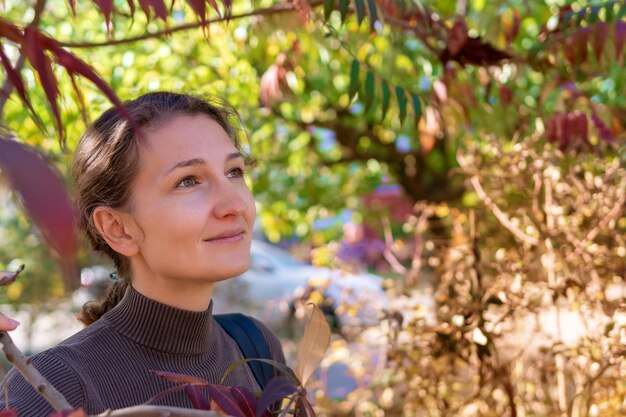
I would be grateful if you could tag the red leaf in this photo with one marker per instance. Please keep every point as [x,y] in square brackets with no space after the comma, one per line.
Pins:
[556,129]
[215,7]
[145,6]
[16,81]
[73,6]
[277,389]
[180,378]
[11,412]
[228,8]
[131,5]
[14,78]
[575,48]
[225,401]
[81,99]
[199,7]
[44,197]
[74,64]
[106,6]
[10,31]
[159,7]
[199,401]
[582,41]
[245,399]
[575,130]
[600,34]
[34,46]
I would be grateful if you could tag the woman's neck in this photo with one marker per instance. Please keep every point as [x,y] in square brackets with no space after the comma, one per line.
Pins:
[186,294]
[183,295]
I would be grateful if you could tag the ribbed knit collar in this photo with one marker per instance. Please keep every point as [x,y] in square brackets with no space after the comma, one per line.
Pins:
[162,327]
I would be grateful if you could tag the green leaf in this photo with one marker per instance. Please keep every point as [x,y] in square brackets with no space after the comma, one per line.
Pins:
[417,108]
[328,8]
[608,12]
[354,78]
[371,4]
[343,9]
[401,96]
[593,17]
[386,96]
[360,11]
[621,13]
[284,369]
[369,89]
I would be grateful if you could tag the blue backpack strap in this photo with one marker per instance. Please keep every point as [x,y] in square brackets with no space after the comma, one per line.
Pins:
[251,343]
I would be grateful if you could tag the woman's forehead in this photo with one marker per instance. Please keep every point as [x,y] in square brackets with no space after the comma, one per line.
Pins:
[186,134]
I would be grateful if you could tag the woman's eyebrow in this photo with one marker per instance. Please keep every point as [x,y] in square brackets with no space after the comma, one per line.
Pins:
[186,163]
[200,161]
[234,155]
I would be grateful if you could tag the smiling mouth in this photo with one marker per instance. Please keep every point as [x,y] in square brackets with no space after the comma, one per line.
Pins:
[228,238]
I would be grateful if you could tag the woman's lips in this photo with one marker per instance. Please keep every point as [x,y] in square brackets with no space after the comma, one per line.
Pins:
[228,238]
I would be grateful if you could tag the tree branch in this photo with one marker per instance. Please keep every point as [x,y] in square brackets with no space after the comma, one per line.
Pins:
[158,411]
[34,378]
[276,9]
[500,215]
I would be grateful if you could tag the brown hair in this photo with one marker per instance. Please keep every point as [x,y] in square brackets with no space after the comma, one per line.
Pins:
[106,163]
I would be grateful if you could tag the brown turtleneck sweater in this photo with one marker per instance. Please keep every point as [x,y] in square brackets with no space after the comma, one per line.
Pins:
[107,365]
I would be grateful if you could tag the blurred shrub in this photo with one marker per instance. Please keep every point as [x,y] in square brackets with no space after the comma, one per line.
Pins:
[529,289]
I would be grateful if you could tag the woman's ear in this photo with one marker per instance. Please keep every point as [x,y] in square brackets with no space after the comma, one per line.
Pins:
[118,229]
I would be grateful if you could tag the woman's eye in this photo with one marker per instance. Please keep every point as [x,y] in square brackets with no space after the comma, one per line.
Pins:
[187,182]
[235,173]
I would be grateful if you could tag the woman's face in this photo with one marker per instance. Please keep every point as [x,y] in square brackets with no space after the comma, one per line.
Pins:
[192,210]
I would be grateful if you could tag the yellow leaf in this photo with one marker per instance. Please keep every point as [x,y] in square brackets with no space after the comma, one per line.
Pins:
[313,345]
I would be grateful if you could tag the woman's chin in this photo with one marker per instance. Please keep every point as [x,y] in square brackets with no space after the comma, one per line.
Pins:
[232,271]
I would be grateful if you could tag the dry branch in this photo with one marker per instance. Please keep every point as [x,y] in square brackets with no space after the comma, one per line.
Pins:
[158,411]
[34,378]
[500,215]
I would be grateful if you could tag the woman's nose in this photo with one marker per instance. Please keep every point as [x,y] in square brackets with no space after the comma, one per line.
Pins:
[230,200]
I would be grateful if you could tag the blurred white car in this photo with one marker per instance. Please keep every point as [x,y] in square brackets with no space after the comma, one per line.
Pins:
[275,282]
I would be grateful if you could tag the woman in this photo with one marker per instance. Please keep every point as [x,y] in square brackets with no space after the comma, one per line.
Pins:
[171,208]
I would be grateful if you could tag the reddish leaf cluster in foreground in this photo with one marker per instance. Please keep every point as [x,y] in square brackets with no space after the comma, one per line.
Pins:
[240,401]
[40,51]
